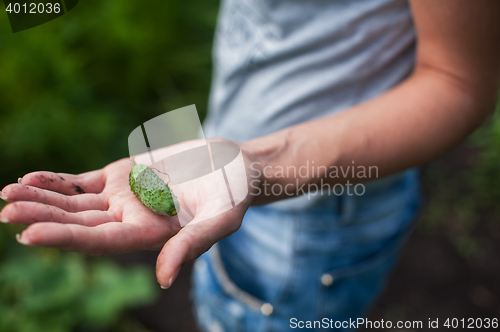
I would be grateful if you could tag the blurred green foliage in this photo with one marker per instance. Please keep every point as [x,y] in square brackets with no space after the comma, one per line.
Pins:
[71,91]
[43,289]
[487,171]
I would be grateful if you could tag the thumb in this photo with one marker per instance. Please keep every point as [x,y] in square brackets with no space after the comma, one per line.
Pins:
[190,243]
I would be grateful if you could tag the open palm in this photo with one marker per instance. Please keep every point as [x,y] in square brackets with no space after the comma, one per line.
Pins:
[96,213]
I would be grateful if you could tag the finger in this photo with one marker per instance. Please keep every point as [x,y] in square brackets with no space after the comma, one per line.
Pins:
[19,192]
[68,184]
[105,239]
[191,242]
[88,240]
[31,212]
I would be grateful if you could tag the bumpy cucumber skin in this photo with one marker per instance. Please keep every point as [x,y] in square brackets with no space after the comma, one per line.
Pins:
[152,191]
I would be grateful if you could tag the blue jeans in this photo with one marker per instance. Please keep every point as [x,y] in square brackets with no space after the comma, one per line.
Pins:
[329,261]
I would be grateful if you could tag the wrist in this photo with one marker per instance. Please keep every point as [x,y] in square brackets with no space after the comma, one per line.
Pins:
[260,155]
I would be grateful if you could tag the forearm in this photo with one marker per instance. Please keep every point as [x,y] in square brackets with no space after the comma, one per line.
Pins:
[405,127]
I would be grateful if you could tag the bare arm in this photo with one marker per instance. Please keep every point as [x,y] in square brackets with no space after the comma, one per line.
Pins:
[451,92]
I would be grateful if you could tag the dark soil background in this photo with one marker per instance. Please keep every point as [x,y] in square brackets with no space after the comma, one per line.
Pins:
[449,268]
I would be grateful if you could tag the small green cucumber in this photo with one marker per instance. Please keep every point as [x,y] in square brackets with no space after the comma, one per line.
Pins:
[153,192]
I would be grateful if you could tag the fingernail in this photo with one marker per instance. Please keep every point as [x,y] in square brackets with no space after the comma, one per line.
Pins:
[169,284]
[171,280]
[24,242]
[4,198]
[19,180]
[4,220]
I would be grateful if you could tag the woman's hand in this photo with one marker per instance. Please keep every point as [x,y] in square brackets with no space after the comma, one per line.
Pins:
[96,213]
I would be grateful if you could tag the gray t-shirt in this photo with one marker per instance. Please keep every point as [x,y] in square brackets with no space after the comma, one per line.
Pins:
[281,62]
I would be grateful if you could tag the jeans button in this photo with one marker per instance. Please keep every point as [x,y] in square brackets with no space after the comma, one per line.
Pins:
[327,279]
[266,309]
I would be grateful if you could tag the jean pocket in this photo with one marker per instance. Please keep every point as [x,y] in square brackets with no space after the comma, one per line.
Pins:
[214,308]
[232,290]
[349,291]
